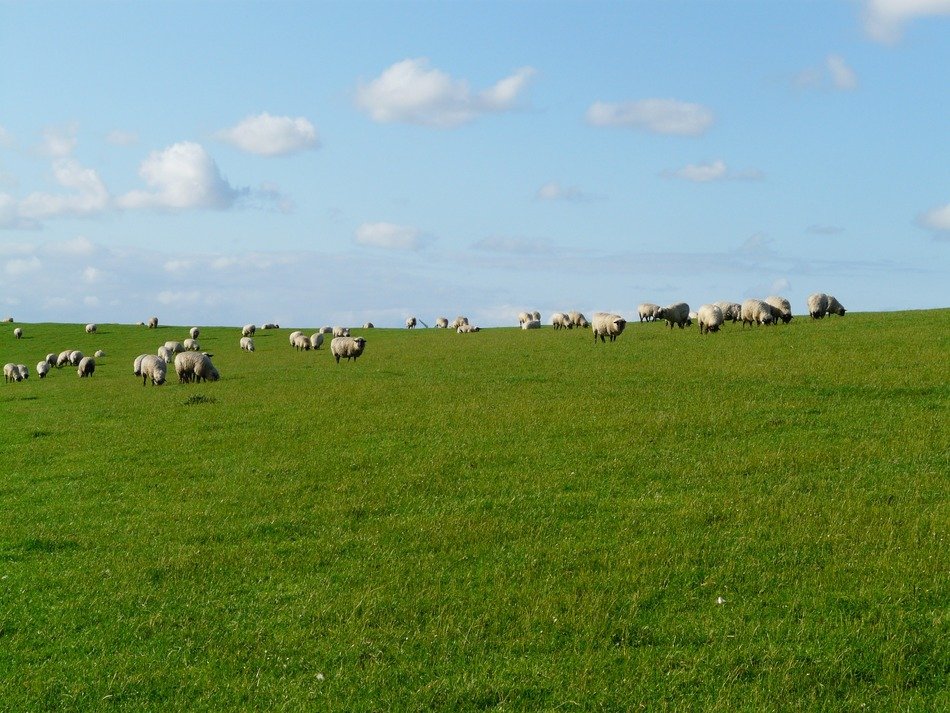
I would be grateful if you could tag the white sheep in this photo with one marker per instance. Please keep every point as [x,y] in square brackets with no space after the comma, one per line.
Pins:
[11,372]
[75,357]
[87,366]
[270,325]
[194,332]
[42,369]
[248,330]
[99,354]
[817,305]
[410,322]
[166,354]
[441,322]
[137,364]
[175,347]
[675,314]
[349,347]
[458,322]
[51,359]
[341,332]
[781,308]
[756,312]
[92,328]
[326,330]
[247,344]
[24,371]
[191,345]
[710,318]
[63,358]
[559,320]
[302,343]
[834,306]
[153,368]
[195,366]
[293,336]
[18,333]
[316,340]
[532,324]
[607,324]
[524,317]
[153,322]
[731,311]
[467,328]
[578,320]
[370,325]
[647,311]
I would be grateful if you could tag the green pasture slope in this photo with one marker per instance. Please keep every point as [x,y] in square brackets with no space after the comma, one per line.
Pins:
[754,520]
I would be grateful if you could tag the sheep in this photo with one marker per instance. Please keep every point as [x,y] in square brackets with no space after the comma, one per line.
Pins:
[756,312]
[42,369]
[467,329]
[578,320]
[606,324]
[51,359]
[834,306]
[532,324]
[458,322]
[781,308]
[87,367]
[137,364]
[524,317]
[410,322]
[710,318]
[341,332]
[91,328]
[370,325]
[326,330]
[536,315]
[817,305]
[194,332]
[18,333]
[349,347]
[247,344]
[75,357]
[675,314]
[195,366]
[248,330]
[175,347]
[166,354]
[730,311]
[441,322]
[154,368]
[191,345]
[205,370]
[293,336]
[270,325]
[11,372]
[559,320]
[99,354]
[647,311]
[63,358]
[24,371]
[302,343]
[153,322]
[316,340]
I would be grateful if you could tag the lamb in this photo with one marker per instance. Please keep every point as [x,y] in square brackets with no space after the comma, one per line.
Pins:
[153,322]
[834,306]
[647,311]
[154,368]
[191,345]
[349,347]
[441,322]
[781,308]
[316,340]
[247,344]
[675,314]
[559,320]
[18,333]
[710,318]
[730,310]
[302,343]
[756,312]
[294,335]
[137,364]
[166,354]
[91,328]
[87,367]
[248,330]
[467,328]
[24,371]
[578,320]
[11,372]
[175,347]
[410,322]
[341,332]
[459,321]
[42,369]
[99,354]
[606,324]
[75,357]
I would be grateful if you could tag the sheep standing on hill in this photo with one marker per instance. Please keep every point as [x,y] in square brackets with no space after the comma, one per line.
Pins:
[153,322]
[153,368]
[756,312]
[731,311]
[137,364]
[270,325]
[195,366]
[607,324]
[166,354]
[87,366]
[293,335]
[341,332]
[458,322]
[191,345]
[559,320]
[834,307]
[326,330]
[348,347]
[316,340]
[247,344]
[175,347]
[578,320]
[24,371]
[194,332]
[781,308]
[370,325]
[467,329]
[710,318]
[647,311]
[248,330]
[42,368]
[410,322]
[7,320]
[524,317]
[675,314]
[11,372]
[18,333]
[75,357]
[302,343]
[532,324]
[441,322]
[63,358]
[92,328]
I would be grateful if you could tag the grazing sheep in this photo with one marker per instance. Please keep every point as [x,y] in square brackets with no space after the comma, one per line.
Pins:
[51,359]
[270,325]
[191,345]
[153,368]
[349,347]
[370,325]
[194,332]
[248,330]
[559,320]
[195,366]
[75,357]
[781,308]
[42,369]
[205,370]
[467,328]
[24,371]
[63,358]
[441,322]
[756,312]
[532,324]
[175,347]
[18,333]
[11,372]
[153,322]
[166,354]
[459,321]
[87,366]
[578,320]
[247,344]
[536,315]
[675,314]
[316,340]
[647,311]
[607,324]
[710,318]
[326,330]
[731,311]
[817,305]
[293,335]
[524,317]
[99,354]
[410,322]
[834,307]
[91,328]
[341,332]
[302,343]
[137,364]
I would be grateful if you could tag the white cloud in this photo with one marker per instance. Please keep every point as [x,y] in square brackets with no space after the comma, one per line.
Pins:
[390,236]
[182,176]
[122,138]
[92,274]
[715,171]
[661,116]
[409,91]
[514,246]
[89,195]
[21,266]
[58,142]
[834,72]
[267,135]
[936,219]
[554,191]
[884,20]
[176,266]
[842,76]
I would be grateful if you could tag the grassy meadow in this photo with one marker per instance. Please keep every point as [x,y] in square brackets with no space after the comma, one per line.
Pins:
[518,520]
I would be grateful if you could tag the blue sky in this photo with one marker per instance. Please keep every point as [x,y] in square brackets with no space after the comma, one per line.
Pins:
[332,163]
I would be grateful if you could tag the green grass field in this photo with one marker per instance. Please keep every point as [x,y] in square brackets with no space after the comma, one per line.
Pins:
[751,520]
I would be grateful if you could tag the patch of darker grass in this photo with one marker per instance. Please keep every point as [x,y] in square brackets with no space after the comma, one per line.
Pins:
[199,399]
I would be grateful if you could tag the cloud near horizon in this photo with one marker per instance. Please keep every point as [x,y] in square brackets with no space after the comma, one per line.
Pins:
[390,236]
[884,20]
[659,116]
[410,91]
[267,135]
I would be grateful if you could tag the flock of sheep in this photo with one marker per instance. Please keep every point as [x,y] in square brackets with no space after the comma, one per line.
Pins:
[193,365]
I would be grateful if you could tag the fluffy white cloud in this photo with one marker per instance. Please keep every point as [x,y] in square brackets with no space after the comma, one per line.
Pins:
[410,91]
[937,219]
[267,135]
[884,20]
[89,194]
[182,176]
[390,236]
[59,142]
[661,116]
[715,171]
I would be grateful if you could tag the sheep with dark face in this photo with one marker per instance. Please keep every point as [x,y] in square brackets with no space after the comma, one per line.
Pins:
[410,322]
[87,366]
[11,372]
[647,311]
[710,318]
[153,368]
[347,347]
[607,324]
[756,312]
[559,320]
[781,308]
[578,320]
[676,314]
